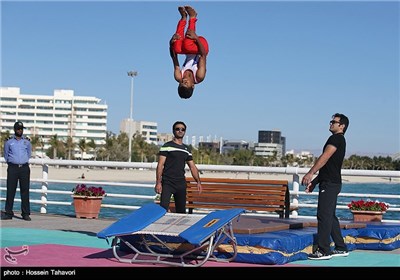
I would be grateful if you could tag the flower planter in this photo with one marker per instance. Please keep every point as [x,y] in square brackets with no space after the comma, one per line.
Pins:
[87,206]
[367,216]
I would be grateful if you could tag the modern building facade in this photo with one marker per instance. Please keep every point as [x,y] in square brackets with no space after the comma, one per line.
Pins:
[164,137]
[148,130]
[268,150]
[229,146]
[270,143]
[62,115]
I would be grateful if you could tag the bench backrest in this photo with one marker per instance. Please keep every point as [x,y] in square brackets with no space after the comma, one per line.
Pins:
[249,194]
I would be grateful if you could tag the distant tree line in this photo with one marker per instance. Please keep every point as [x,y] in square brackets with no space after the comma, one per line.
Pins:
[116,148]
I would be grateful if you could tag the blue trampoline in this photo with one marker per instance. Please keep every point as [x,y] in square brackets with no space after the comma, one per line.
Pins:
[198,236]
[139,232]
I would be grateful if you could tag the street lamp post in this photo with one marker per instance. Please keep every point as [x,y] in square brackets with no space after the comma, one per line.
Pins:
[131,74]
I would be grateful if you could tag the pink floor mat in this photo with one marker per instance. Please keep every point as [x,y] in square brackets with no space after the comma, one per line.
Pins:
[55,255]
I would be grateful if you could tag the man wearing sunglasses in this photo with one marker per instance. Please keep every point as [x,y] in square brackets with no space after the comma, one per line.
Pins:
[170,173]
[17,151]
[329,178]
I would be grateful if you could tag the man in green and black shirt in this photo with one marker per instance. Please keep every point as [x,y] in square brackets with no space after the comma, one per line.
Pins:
[170,173]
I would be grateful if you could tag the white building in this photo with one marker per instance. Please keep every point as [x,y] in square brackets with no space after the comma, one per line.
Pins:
[228,146]
[162,138]
[148,130]
[270,143]
[268,149]
[63,114]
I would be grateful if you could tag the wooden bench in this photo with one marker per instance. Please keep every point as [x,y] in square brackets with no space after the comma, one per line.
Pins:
[251,195]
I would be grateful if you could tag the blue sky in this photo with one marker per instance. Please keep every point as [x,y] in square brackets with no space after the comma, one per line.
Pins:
[272,65]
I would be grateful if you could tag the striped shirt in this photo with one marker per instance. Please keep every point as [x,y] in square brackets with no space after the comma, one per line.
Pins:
[176,158]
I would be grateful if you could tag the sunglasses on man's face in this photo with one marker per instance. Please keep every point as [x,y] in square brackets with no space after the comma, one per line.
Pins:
[180,129]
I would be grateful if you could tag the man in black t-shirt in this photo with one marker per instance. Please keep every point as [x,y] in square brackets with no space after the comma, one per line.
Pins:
[170,173]
[329,178]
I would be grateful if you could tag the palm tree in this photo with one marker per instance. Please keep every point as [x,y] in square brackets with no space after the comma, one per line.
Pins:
[288,160]
[70,146]
[153,152]
[4,137]
[140,147]
[54,144]
[92,145]
[242,157]
[120,150]
[82,146]
[105,151]
[35,142]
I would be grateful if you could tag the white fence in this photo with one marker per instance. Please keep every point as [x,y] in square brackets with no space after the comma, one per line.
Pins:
[108,166]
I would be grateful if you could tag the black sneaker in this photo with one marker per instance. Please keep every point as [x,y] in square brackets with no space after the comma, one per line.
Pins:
[6,217]
[26,218]
[318,255]
[339,253]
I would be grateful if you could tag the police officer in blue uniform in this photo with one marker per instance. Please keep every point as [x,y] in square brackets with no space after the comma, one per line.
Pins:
[17,151]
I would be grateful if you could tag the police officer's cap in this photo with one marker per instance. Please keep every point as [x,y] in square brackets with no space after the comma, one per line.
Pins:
[19,125]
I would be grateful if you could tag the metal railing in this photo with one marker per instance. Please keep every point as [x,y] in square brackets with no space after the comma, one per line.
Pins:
[295,192]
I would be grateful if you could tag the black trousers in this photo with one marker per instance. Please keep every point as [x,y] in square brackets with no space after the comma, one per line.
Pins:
[176,189]
[15,174]
[328,223]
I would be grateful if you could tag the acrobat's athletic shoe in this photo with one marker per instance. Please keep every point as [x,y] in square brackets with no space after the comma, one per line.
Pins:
[318,255]
[339,253]
[26,218]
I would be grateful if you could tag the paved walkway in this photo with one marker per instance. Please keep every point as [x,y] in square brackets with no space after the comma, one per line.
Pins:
[58,222]
[66,241]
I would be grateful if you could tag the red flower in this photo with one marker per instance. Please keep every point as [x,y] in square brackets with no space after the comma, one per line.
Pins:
[83,190]
[368,205]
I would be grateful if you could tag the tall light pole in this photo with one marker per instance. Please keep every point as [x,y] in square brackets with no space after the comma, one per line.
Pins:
[131,74]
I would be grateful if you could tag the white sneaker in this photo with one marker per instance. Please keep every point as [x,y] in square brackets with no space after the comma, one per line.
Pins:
[339,253]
